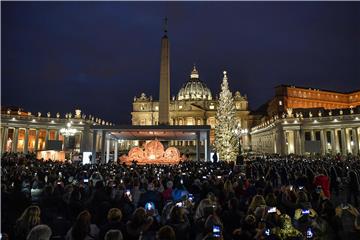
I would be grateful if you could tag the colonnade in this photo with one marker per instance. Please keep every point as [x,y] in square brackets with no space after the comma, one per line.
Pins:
[332,140]
[25,139]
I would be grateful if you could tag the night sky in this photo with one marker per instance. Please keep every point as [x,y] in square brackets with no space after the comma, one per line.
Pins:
[97,56]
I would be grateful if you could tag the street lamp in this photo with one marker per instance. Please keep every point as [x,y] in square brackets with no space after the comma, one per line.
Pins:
[68,132]
[239,132]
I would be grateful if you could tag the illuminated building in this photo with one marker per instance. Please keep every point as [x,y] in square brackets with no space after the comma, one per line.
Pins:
[194,104]
[303,121]
[24,132]
[298,97]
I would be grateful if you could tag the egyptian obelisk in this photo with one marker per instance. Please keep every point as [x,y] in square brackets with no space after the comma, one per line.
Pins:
[164,95]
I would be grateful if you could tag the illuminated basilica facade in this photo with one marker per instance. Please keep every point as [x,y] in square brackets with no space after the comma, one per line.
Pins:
[194,104]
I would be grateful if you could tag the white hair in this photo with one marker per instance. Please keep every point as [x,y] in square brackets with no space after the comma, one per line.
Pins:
[39,232]
[113,235]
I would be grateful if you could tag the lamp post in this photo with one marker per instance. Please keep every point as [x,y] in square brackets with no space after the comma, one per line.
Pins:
[239,132]
[68,132]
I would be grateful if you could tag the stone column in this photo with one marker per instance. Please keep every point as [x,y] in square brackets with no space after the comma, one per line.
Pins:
[273,142]
[56,135]
[302,141]
[280,141]
[297,142]
[107,150]
[356,141]
[348,141]
[285,149]
[291,141]
[93,149]
[4,139]
[103,137]
[197,146]
[343,142]
[333,141]
[15,140]
[80,140]
[26,141]
[47,138]
[85,140]
[98,142]
[207,146]
[323,142]
[116,151]
[312,135]
[36,140]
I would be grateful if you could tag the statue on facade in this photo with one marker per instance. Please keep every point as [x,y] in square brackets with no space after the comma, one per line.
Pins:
[289,112]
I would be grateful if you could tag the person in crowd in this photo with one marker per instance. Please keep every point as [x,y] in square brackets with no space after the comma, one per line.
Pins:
[231,217]
[247,229]
[271,200]
[280,197]
[179,222]
[29,219]
[228,190]
[349,217]
[166,233]
[215,157]
[114,218]
[82,228]
[321,181]
[39,232]
[113,235]
[179,191]
[353,188]
[212,222]
[302,200]
[286,230]
[138,225]
[150,196]
[257,201]
[167,194]
[136,192]
[334,181]
[75,203]
[332,225]
[205,208]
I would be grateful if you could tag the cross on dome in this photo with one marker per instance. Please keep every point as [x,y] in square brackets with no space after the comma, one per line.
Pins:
[194,73]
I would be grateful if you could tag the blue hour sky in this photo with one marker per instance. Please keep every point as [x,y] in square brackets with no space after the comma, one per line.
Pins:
[96,56]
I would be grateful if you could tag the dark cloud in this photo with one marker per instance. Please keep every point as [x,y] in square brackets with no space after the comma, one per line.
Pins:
[97,55]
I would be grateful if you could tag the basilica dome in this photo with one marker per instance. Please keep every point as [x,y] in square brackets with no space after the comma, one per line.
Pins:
[194,89]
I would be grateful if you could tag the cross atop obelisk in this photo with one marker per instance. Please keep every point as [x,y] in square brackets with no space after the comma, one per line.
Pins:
[165,25]
[164,95]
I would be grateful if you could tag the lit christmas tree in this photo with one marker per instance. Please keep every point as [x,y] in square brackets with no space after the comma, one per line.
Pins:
[226,140]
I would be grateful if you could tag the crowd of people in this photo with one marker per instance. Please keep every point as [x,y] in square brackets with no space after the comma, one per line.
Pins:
[269,197]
